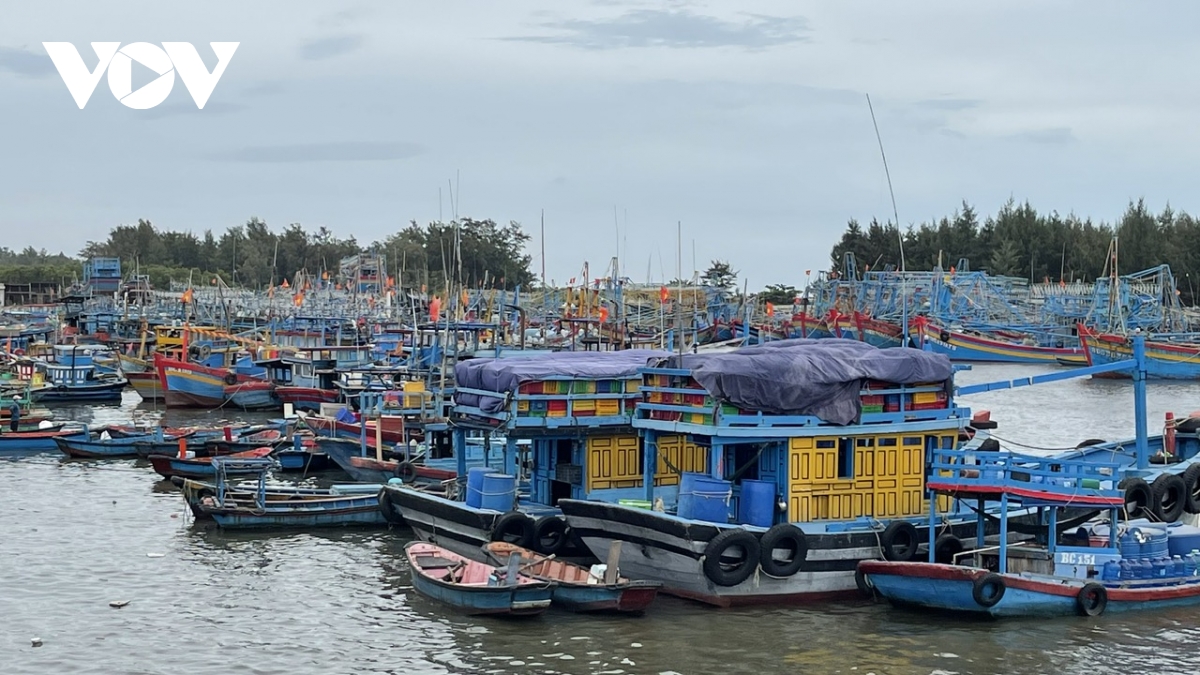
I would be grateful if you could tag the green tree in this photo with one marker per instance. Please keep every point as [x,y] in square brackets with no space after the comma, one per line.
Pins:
[721,275]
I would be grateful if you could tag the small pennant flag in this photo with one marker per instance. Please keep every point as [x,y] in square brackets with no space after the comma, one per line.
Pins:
[770,309]
[663,294]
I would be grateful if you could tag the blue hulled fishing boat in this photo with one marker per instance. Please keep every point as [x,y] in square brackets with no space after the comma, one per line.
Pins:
[41,440]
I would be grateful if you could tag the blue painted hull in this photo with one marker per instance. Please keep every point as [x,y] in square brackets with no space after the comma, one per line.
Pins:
[948,589]
[17,443]
[106,393]
[356,510]
[112,448]
[252,399]
[633,597]
[303,460]
[517,600]
[1163,362]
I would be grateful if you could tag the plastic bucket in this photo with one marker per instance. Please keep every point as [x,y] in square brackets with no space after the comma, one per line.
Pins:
[710,500]
[685,506]
[475,485]
[756,506]
[499,491]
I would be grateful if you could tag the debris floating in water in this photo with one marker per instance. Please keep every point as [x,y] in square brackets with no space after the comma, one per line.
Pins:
[37,642]
[118,604]
[155,555]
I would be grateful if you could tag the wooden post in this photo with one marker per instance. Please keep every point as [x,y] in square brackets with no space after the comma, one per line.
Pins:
[614,558]
[379,437]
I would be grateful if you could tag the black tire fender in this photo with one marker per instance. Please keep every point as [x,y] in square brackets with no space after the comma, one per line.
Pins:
[1091,600]
[731,574]
[1138,498]
[231,378]
[988,589]
[406,472]
[1170,497]
[944,336]
[514,527]
[1090,442]
[946,547]
[789,538]
[863,582]
[1191,482]
[389,512]
[899,541]
[550,534]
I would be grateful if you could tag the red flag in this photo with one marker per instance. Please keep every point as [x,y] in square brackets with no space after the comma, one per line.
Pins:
[435,309]
[663,294]
[603,314]
[770,309]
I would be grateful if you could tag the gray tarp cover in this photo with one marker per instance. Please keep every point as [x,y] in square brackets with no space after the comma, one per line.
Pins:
[808,377]
[506,374]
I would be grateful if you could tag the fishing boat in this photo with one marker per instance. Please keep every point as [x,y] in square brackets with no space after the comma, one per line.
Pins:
[1165,359]
[963,346]
[252,395]
[73,377]
[187,384]
[795,482]
[261,508]
[579,588]
[101,448]
[42,440]
[146,384]
[474,587]
[169,466]
[1051,575]
[308,377]
[196,491]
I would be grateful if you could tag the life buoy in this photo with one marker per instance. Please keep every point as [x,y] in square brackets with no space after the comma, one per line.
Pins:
[1170,497]
[406,472]
[863,582]
[946,547]
[231,378]
[1191,481]
[783,550]
[988,589]
[550,535]
[721,564]
[1138,497]
[899,541]
[514,527]
[389,511]
[1091,600]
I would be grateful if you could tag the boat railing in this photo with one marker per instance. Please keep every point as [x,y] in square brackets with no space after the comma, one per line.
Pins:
[1044,480]
[554,402]
[672,399]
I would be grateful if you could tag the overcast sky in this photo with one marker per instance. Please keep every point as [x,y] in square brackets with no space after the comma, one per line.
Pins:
[746,121]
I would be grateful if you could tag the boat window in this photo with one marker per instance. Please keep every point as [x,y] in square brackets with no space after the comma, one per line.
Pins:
[866,442]
[826,443]
[947,442]
[887,442]
[845,458]
[912,440]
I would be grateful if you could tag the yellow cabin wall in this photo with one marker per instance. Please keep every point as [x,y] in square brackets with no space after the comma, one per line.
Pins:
[887,481]
[616,461]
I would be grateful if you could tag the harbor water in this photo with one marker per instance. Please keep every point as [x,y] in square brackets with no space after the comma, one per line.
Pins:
[77,535]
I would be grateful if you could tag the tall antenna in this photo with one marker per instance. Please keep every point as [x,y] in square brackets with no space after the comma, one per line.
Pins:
[895,214]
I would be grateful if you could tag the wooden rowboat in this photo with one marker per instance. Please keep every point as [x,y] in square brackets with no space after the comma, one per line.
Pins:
[104,448]
[577,588]
[473,587]
[200,467]
[41,440]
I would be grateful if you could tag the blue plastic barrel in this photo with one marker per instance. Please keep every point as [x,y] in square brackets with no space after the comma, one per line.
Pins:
[756,506]
[1177,567]
[1112,571]
[710,500]
[1126,570]
[475,485]
[1130,543]
[499,492]
[1182,539]
[1158,546]
[685,506]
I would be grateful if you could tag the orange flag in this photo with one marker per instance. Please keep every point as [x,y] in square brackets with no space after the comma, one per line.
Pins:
[603,314]
[770,309]
[187,296]
[663,294]
[435,309]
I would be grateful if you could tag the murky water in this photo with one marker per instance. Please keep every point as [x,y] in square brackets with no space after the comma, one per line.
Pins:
[75,535]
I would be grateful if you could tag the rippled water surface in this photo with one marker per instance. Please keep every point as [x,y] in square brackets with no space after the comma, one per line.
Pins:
[75,535]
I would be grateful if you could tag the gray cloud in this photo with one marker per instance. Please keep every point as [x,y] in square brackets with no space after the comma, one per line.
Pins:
[949,103]
[337,151]
[188,107]
[330,47]
[1050,136]
[25,62]
[673,28]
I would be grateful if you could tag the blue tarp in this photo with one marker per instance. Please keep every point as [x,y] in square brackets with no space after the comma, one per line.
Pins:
[505,375]
[808,377]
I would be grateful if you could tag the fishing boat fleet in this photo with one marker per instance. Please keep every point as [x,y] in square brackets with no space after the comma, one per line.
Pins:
[730,469]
